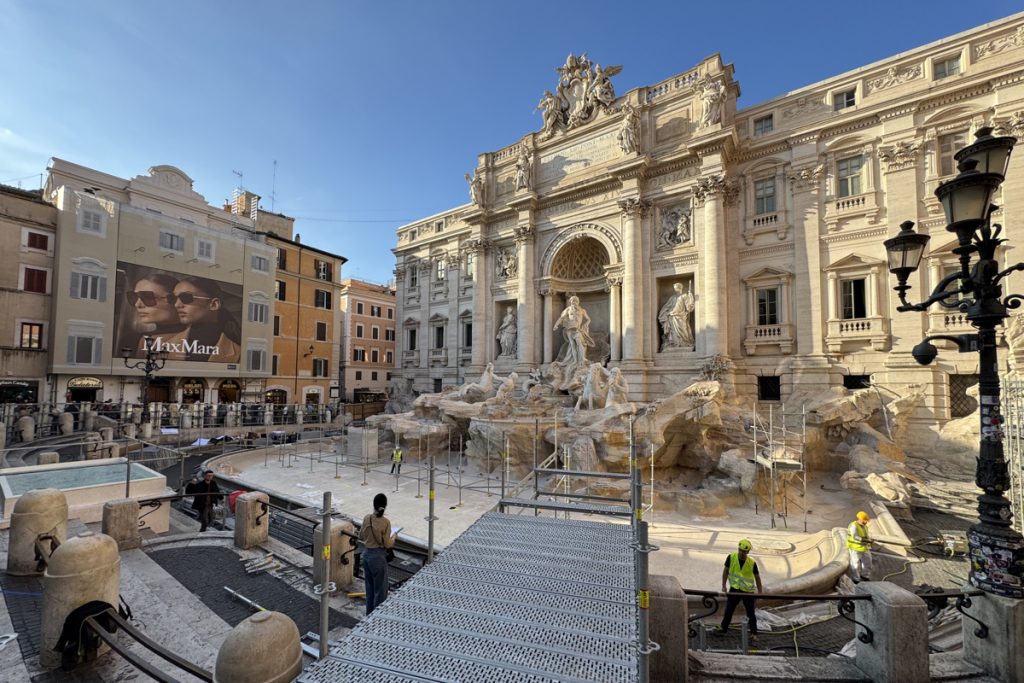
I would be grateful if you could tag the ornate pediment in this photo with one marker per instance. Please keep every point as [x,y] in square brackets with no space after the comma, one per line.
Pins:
[582,91]
[854,261]
[168,179]
[768,274]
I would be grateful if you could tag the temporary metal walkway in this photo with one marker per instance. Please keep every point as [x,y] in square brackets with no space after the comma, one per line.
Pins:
[513,599]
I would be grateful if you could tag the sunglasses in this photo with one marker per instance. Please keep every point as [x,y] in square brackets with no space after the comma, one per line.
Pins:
[151,299]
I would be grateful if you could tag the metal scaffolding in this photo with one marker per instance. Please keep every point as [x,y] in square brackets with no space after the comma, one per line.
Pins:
[779,440]
[1013,444]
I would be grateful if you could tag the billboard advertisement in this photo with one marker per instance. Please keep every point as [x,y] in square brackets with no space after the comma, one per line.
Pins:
[190,318]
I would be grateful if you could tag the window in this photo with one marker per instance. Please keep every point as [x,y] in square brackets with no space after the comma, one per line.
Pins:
[91,221]
[848,172]
[769,389]
[439,337]
[391,314]
[441,268]
[375,311]
[275,362]
[854,298]
[322,299]
[256,359]
[961,404]
[768,306]
[319,367]
[84,350]
[359,375]
[389,357]
[204,250]
[359,331]
[374,356]
[437,385]
[470,262]
[277,326]
[260,263]
[38,240]
[359,355]
[438,227]
[282,259]
[321,331]
[279,290]
[764,196]
[946,67]
[35,280]
[857,381]
[373,376]
[374,332]
[258,312]
[413,277]
[843,100]
[389,335]
[359,307]
[31,335]
[172,242]
[467,334]
[948,146]
[764,125]
[87,286]
[323,270]
[412,340]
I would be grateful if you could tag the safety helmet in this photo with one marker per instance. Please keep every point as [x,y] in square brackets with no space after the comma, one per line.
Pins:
[744,545]
[863,516]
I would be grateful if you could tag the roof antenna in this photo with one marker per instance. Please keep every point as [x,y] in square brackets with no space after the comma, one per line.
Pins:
[273,187]
[241,184]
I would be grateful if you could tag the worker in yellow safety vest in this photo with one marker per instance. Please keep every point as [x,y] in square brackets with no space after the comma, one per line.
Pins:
[396,460]
[742,575]
[858,542]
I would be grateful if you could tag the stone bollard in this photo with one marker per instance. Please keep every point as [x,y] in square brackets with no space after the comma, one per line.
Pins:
[341,547]
[252,520]
[41,511]
[185,417]
[26,428]
[898,619]
[121,522]
[262,649]
[129,430]
[88,417]
[1000,655]
[3,435]
[111,449]
[147,430]
[82,569]
[106,433]
[299,416]
[668,628]
[268,415]
[48,458]
[67,423]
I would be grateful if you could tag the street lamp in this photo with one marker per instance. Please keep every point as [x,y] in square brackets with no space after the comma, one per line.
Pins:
[996,550]
[153,362]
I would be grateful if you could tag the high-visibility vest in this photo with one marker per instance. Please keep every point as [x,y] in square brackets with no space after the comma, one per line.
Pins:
[741,578]
[396,455]
[857,537]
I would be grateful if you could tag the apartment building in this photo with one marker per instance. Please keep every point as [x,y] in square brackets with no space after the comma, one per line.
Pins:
[368,339]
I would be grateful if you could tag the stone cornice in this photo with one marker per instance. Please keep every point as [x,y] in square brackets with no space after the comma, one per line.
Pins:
[579,192]
[764,151]
[1004,80]
[672,164]
[771,250]
[850,127]
[848,236]
[631,168]
[955,96]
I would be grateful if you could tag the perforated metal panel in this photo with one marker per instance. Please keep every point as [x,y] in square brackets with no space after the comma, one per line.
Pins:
[513,599]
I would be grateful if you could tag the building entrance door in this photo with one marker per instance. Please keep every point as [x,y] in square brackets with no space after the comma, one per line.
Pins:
[228,391]
[160,390]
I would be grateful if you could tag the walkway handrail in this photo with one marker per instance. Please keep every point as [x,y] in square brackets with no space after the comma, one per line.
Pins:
[151,645]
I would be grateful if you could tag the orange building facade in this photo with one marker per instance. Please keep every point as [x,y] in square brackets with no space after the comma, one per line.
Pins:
[368,339]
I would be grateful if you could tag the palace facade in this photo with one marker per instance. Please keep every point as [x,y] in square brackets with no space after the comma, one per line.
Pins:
[691,229]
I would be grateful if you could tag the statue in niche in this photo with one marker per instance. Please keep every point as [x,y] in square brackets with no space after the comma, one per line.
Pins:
[508,333]
[524,168]
[575,324]
[674,317]
[617,391]
[712,96]
[629,130]
[476,188]
[506,263]
[675,228]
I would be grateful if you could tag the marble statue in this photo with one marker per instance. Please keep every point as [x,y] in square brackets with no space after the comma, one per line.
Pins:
[583,90]
[629,130]
[675,228]
[593,388]
[617,390]
[482,388]
[575,324]
[524,168]
[476,188]
[674,317]
[712,96]
[508,332]
[507,388]
[535,378]
[506,263]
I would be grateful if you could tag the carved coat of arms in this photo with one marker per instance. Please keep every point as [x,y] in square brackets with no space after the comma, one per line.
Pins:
[583,90]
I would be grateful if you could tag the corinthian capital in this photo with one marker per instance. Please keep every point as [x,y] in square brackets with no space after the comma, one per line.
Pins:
[524,234]
[634,207]
[715,184]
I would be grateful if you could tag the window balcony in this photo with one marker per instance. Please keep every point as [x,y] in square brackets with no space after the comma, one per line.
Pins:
[773,222]
[855,206]
[410,353]
[948,322]
[843,334]
[768,336]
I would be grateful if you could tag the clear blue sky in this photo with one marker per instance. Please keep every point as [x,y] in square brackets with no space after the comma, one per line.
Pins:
[375,110]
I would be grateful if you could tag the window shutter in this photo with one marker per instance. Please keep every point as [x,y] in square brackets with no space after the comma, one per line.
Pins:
[76,285]
[72,346]
[97,348]
[103,289]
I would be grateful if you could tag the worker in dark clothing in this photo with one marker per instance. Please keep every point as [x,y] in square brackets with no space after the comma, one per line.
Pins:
[203,504]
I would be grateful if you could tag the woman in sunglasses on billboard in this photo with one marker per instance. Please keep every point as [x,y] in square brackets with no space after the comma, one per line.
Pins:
[152,299]
[211,333]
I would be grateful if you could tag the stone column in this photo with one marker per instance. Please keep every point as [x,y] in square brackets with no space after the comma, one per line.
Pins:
[548,322]
[252,519]
[809,314]
[898,619]
[633,210]
[526,319]
[121,522]
[453,282]
[482,341]
[1001,653]
[426,272]
[615,309]
[712,297]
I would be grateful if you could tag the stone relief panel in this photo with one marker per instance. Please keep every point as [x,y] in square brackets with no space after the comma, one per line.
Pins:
[506,263]
[895,76]
[1004,42]
[673,124]
[674,227]
[557,164]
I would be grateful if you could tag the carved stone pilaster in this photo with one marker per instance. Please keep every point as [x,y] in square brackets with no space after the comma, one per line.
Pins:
[426,265]
[900,156]
[710,185]
[635,207]
[805,177]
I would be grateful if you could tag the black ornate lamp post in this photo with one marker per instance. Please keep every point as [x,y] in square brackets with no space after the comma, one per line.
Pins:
[153,362]
[996,550]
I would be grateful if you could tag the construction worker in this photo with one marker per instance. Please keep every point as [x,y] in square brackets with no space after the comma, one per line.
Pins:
[858,541]
[742,575]
[396,460]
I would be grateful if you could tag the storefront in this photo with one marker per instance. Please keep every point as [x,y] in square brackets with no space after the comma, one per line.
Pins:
[19,391]
[276,396]
[193,390]
[84,389]
[229,391]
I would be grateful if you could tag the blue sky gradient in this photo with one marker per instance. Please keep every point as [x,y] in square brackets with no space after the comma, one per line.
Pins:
[374,111]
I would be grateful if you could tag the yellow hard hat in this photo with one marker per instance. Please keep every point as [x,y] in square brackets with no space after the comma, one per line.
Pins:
[863,516]
[744,544]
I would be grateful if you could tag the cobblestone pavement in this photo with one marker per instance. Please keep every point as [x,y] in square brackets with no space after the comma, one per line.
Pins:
[206,571]
[24,598]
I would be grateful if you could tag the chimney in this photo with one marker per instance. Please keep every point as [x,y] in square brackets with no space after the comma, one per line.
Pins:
[298,238]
